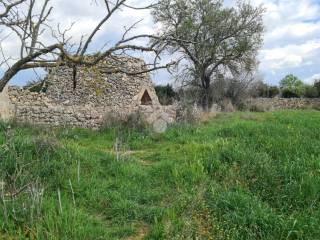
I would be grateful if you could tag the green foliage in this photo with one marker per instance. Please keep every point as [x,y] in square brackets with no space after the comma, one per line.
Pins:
[273,91]
[288,93]
[291,82]
[292,86]
[166,94]
[317,86]
[311,92]
[240,176]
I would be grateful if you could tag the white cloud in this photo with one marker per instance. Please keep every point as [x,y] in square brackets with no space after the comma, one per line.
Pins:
[291,32]
[312,79]
[290,56]
[292,40]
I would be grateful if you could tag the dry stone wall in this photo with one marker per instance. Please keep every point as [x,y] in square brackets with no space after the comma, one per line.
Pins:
[94,85]
[97,94]
[37,108]
[6,107]
[272,104]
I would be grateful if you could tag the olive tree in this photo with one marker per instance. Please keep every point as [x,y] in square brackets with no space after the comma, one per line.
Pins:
[210,39]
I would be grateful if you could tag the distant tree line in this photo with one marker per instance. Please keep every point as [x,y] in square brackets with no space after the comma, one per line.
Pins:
[290,87]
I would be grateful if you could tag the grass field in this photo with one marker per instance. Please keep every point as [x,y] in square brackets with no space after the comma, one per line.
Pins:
[237,176]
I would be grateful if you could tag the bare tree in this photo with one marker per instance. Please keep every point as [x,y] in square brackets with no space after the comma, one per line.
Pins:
[29,23]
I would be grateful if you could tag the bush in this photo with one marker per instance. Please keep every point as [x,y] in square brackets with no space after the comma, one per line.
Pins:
[317,86]
[311,92]
[258,107]
[288,93]
[228,106]
[121,122]
[273,91]
[166,94]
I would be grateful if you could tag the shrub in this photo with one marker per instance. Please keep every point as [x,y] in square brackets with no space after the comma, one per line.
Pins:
[258,107]
[273,91]
[227,105]
[311,92]
[121,122]
[288,93]
[166,94]
[317,86]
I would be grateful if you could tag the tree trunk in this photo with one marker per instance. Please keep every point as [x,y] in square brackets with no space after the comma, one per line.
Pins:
[206,98]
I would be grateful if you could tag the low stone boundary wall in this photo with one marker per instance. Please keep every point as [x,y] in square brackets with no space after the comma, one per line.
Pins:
[60,116]
[272,104]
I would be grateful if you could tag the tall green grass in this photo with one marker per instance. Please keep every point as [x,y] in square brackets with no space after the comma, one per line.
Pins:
[239,176]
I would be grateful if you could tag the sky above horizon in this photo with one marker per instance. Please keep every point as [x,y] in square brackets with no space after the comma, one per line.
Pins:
[291,39]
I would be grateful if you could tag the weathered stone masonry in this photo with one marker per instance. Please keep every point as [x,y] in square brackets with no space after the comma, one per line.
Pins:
[86,102]
[272,104]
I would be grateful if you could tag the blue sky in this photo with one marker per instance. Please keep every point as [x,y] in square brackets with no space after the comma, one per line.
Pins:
[291,45]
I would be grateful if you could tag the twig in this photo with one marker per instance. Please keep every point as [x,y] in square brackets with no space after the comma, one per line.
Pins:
[78,171]
[59,197]
[5,212]
[73,199]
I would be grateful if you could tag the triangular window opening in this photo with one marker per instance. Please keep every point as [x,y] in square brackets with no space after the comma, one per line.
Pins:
[146,99]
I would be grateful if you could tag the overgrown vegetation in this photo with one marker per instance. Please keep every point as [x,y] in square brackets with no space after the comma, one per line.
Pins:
[238,176]
[166,94]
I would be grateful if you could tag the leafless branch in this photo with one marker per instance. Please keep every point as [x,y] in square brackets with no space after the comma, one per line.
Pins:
[29,23]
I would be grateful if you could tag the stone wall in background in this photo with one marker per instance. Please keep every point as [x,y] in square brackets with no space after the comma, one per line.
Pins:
[272,104]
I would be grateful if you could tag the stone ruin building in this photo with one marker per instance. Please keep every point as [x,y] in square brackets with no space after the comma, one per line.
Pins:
[88,101]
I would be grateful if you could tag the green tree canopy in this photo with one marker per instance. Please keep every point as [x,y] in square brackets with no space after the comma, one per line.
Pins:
[292,84]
